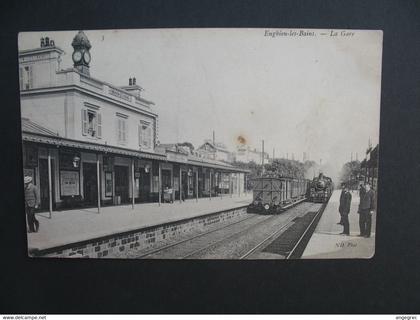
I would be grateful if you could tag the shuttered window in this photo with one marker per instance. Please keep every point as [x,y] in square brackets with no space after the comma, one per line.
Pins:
[122,130]
[145,135]
[98,125]
[26,78]
[21,78]
[84,122]
[91,123]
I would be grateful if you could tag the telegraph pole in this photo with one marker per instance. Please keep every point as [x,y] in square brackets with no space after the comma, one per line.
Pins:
[262,158]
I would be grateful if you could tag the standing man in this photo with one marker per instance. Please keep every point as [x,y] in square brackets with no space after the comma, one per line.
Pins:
[366,209]
[343,187]
[345,203]
[361,191]
[31,203]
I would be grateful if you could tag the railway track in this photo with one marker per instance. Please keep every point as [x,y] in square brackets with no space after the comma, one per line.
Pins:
[289,241]
[209,243]
[300,245]
[187,247]
[179,242]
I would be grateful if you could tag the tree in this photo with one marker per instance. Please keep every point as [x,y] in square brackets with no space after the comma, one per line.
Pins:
[350,173]
[277,168]
[186,144]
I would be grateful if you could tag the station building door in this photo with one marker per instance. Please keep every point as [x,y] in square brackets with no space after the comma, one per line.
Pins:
[90,183]
[184,186]
[43,183]
[166,179]
[144,185]
[122,183]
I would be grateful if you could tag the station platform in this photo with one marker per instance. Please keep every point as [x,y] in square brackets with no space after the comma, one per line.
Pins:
[326,241]
[72,226]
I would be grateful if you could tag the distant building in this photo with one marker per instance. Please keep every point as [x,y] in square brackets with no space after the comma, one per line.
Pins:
[216,151]
[244,153]
[369,166]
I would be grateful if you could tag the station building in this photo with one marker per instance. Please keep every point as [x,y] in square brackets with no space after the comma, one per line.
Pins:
[216,151]
[87,142]
[369,166]
[245,153]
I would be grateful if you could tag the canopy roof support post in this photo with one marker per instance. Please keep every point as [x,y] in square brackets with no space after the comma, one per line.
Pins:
[98,182]
[49,185]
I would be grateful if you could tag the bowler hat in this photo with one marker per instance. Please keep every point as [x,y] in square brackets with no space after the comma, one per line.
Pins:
[27,179]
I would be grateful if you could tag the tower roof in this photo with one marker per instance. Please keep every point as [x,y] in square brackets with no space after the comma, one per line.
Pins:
[81,40]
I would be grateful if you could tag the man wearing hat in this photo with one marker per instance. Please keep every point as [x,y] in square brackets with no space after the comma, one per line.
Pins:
[31,203]
[366,209]
[343,191]
[344,209]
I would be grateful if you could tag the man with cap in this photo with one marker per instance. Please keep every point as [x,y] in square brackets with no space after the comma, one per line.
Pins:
[343,185]
[31,203]
[345,203]
[366,209]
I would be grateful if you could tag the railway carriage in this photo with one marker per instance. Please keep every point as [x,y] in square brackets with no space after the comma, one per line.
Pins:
[272,195]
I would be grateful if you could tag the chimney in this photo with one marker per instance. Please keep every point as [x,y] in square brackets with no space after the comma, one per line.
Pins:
[214,138]
[130,82]
[42,42]
[47,41]
[134,81]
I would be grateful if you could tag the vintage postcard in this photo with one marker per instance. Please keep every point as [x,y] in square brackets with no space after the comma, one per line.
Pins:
[201,143]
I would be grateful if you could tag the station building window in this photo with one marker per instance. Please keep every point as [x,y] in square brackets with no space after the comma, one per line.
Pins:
[122,128]
[26,77]
[91,123]
[145,135]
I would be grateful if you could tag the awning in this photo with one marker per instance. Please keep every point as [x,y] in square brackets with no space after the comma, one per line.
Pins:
[69,143]
[215,165]
[89,146]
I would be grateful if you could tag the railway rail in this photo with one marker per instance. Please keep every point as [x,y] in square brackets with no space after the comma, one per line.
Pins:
[235,240]
[296,241]
[173,244]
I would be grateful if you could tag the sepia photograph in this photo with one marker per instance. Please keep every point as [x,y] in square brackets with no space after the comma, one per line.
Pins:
[201,143]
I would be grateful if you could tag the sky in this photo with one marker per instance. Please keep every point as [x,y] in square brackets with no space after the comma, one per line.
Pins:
[317,94]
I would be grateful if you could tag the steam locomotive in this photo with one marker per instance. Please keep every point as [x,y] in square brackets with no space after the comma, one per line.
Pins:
[320,188]
[274,194]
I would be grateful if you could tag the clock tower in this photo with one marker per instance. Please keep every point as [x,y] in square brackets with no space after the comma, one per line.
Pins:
[81,55]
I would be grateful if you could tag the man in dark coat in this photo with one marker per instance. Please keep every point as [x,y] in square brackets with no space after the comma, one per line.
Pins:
[31,203]
[344,209]
[343,191]
[366,209]
[362,191]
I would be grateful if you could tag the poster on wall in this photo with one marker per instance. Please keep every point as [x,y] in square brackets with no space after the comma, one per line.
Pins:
[69,183]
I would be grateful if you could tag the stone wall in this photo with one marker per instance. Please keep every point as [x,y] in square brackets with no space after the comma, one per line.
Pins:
[117,245]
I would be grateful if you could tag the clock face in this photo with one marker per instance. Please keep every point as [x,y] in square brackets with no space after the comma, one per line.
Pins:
[77,56]
[86,56]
